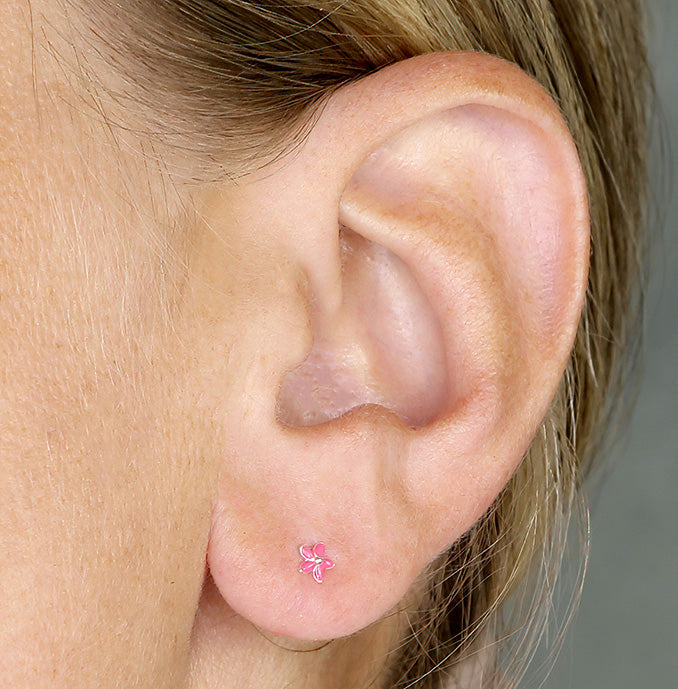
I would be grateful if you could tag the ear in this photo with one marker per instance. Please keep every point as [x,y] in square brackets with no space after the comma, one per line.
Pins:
[406,286]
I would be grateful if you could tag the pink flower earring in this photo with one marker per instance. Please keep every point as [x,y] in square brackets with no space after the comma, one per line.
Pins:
[315,561]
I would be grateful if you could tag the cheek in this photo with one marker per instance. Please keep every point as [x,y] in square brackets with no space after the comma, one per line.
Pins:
[106,457]
[105,461]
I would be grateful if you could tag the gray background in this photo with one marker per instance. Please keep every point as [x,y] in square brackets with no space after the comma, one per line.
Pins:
[626,633]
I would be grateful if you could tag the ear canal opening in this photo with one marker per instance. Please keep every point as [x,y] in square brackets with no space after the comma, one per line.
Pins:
[383,347]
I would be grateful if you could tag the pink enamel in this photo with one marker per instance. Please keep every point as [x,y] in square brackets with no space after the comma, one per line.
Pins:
[315,561]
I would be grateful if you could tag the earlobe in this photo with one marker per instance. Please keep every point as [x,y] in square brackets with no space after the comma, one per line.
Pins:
[438,214]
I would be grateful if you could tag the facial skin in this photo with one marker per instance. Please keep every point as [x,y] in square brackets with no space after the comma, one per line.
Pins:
[137,313]
[96,443]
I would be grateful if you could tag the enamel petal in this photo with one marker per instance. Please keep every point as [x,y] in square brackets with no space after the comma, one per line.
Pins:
[327,563]
[318,574]
[306,552]
[306,566]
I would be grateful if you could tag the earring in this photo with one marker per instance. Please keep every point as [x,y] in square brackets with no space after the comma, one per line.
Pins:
[315,561]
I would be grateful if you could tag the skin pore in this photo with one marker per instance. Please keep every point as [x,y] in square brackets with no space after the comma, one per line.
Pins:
[148,324]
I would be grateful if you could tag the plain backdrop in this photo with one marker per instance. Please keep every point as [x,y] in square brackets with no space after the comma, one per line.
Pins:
[626,633]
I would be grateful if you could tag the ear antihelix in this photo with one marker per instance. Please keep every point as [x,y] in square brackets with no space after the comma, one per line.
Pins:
[491,213]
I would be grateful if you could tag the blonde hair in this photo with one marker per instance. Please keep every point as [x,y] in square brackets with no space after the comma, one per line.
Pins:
[219,76]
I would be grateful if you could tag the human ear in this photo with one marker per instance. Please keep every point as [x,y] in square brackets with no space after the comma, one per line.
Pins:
[407,289]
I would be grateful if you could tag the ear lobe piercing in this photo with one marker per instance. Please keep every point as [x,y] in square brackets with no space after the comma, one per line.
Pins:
[315,561]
